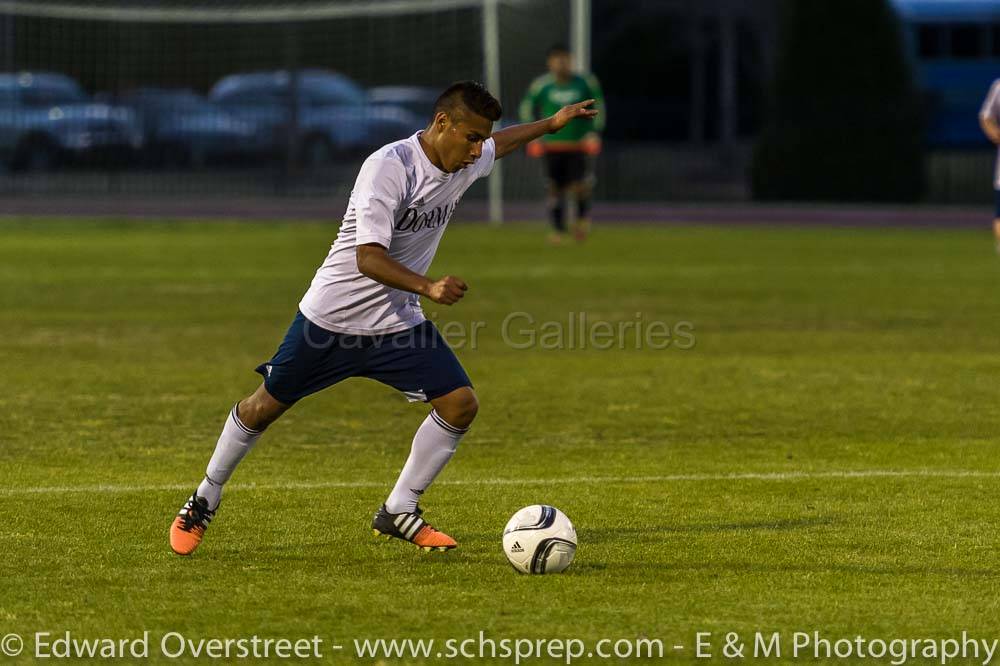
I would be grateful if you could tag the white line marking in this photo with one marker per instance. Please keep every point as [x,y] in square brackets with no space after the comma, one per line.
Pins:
[582,480]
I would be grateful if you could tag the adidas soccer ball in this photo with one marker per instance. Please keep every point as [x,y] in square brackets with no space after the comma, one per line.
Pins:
[539,539]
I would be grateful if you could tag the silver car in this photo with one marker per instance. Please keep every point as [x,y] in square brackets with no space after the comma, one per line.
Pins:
[46,119]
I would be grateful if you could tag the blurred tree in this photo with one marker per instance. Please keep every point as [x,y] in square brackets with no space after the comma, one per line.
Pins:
[843,121]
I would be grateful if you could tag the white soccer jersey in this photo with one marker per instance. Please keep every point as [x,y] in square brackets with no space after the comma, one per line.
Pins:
[402,202]
[991,110]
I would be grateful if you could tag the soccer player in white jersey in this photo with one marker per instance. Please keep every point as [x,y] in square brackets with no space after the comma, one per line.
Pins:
[989,120]
[361,315]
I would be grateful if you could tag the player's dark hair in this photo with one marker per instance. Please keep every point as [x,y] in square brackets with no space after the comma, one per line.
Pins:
[557,49]
[473,96]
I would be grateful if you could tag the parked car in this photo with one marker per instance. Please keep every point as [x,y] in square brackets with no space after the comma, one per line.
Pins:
[182,128]
[334,114]
[418,100]
[47,119]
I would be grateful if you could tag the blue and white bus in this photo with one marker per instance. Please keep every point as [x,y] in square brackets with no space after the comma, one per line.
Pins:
[954,48]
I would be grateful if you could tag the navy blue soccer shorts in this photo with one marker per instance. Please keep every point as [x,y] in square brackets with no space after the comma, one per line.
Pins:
[418,362]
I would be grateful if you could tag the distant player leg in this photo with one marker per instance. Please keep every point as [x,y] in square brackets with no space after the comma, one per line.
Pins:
[557,212]
[582,194]
[244,426]
[580,186]
[557,188]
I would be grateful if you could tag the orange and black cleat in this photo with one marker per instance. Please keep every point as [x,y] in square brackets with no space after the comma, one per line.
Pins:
[190,524]
[411,527]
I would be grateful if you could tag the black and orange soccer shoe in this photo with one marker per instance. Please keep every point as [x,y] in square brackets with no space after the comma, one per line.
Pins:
[189,526]
[411,527]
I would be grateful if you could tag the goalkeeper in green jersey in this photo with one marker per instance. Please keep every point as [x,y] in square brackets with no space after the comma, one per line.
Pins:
[568,152]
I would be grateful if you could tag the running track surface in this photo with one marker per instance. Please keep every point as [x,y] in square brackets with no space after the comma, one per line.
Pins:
[606,212]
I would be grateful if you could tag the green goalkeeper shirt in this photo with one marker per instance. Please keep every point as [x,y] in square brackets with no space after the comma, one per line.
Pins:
[547,95]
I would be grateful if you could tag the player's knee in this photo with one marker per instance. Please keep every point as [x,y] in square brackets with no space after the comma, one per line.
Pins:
[470,407]
[460,408]
[466,408]
[260,410]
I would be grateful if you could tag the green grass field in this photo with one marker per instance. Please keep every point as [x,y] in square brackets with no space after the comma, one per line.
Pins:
[825,458]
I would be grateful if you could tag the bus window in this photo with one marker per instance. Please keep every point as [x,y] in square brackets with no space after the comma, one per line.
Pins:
[930,41]
[966,41]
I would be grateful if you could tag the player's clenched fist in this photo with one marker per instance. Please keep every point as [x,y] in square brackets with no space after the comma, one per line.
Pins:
[447,290]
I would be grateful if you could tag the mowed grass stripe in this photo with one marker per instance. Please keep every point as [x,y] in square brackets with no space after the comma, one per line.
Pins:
[581,480]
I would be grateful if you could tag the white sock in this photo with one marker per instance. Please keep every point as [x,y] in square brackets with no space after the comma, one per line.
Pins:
[433,446]
[235,442]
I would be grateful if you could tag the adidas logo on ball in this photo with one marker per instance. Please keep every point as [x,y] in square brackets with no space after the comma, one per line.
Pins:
[516,548]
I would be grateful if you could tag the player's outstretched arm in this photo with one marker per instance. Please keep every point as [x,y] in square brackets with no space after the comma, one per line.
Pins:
[374,262]
[511,138]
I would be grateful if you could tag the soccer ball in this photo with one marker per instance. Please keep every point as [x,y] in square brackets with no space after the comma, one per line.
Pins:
[539,539]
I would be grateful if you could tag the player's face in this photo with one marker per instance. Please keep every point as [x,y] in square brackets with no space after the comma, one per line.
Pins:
[462,140]
[560,64]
